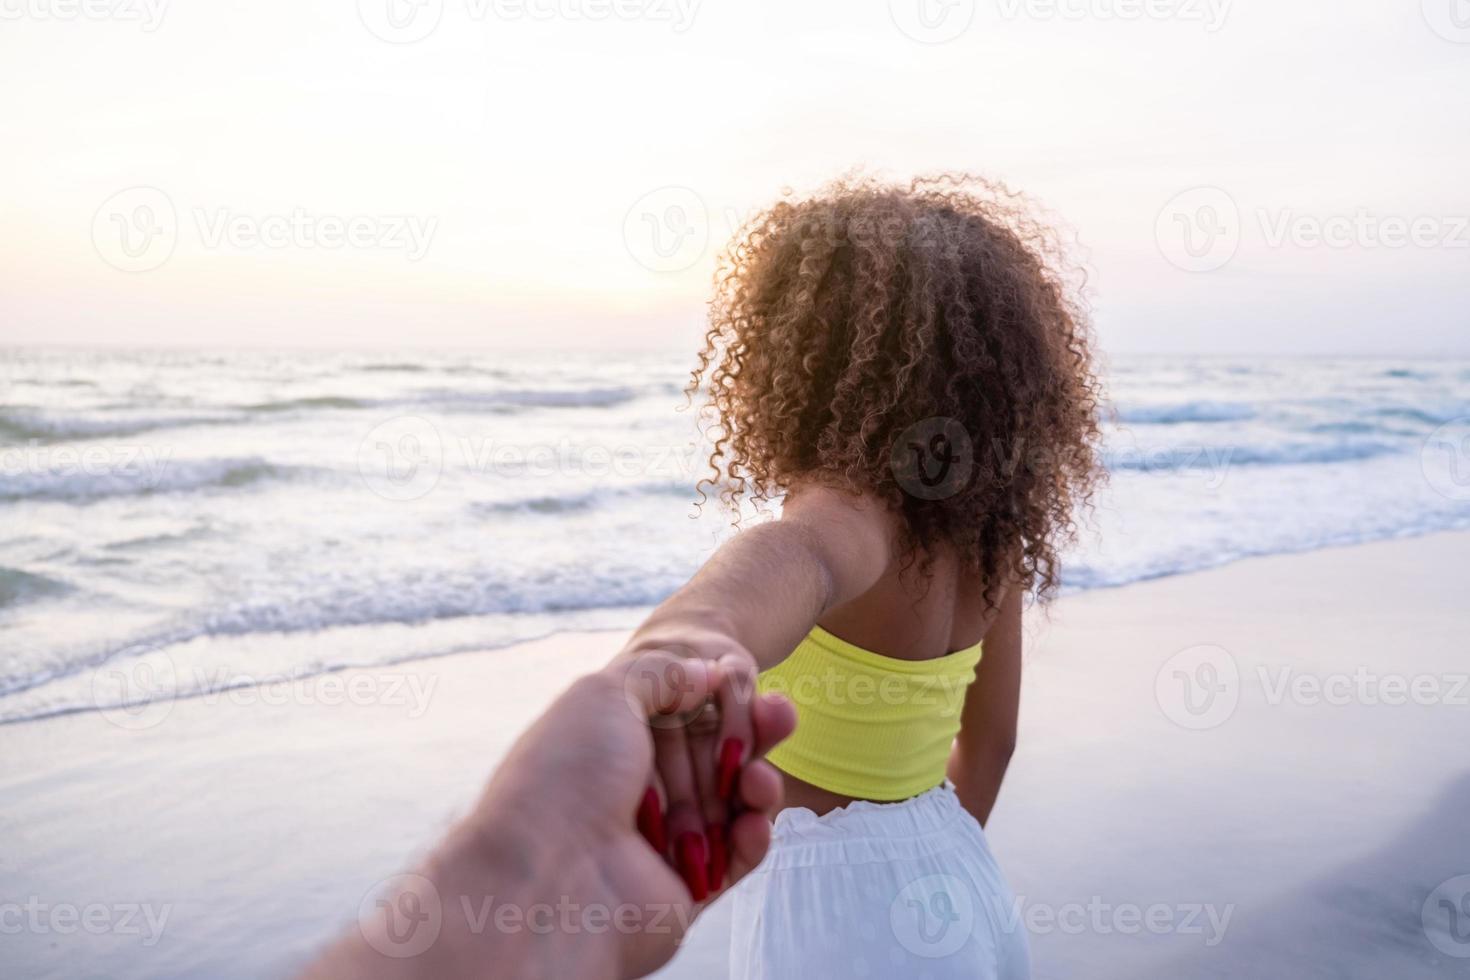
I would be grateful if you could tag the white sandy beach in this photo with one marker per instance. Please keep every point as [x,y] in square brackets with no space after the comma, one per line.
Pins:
[1297,836]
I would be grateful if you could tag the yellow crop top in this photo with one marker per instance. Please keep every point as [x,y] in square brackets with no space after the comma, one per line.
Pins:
[869,726]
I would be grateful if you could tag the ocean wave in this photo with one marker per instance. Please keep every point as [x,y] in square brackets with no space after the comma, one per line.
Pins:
[576,502]
[536,505]
[423,599]
[1185,412]
[447,398]
[1423,416]
[17,586]
[24,425]
[564,398]
[411,598]
[1164,458]
[141,475]
[1084,575]
[148,542]
[393,368]
[306,404]
[411,367]
[408,603]
[29,425]
[1352,427]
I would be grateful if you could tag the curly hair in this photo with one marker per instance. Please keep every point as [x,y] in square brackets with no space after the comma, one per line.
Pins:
[864,335]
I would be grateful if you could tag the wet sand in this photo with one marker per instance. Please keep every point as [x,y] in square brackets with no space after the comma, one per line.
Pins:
[1258,770]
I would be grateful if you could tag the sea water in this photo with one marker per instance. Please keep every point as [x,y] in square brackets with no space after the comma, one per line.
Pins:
[227,518]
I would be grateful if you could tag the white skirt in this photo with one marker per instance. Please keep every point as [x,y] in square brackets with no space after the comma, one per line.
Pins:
[906,889]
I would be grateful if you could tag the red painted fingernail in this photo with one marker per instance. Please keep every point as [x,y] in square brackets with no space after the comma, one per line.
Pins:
[718,856]
[730,753]
[651,821]
[691,854]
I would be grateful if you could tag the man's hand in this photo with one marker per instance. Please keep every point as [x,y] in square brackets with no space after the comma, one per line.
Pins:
[550,875]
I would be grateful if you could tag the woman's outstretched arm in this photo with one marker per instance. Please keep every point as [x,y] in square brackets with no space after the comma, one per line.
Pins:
[753,601]
[763,590]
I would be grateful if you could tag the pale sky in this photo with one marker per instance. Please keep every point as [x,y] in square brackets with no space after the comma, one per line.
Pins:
[505,172]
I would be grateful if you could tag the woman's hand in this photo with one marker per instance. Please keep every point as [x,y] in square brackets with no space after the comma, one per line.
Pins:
[610,737]
[749,605]
[690,805]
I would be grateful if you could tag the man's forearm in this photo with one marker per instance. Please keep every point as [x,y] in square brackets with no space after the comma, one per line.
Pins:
[472,911]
